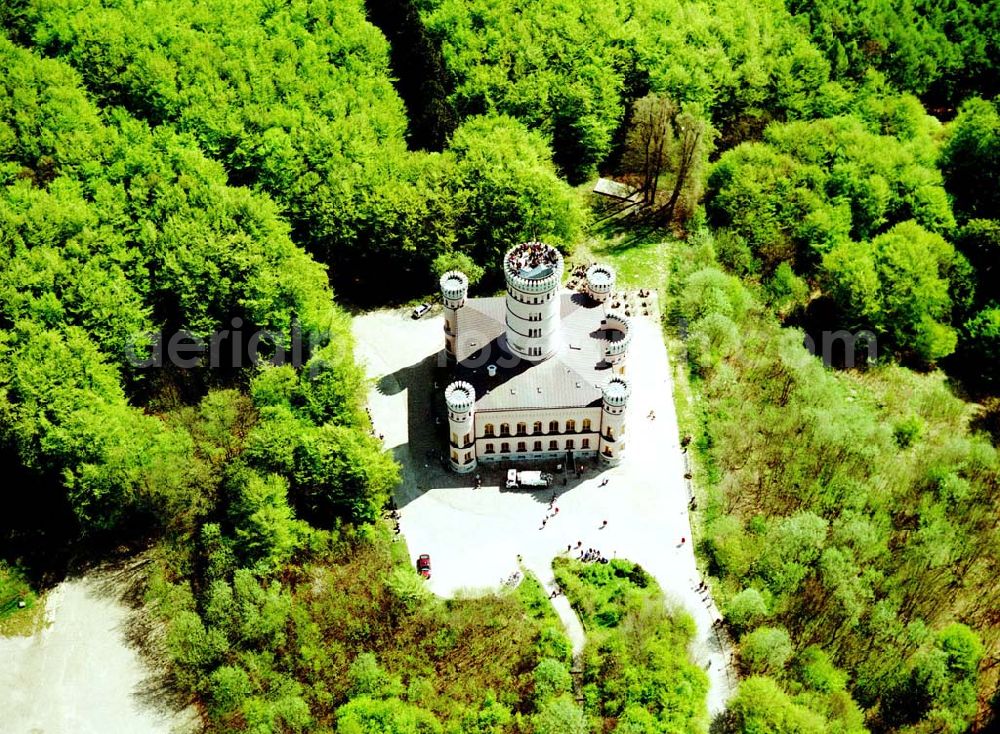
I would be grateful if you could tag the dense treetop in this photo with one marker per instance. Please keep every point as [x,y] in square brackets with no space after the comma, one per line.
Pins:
[191,166]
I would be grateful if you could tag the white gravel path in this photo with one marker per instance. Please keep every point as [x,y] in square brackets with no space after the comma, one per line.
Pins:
[475,536]
[78,674]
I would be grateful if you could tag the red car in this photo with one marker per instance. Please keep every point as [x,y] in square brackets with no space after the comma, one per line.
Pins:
[424,565]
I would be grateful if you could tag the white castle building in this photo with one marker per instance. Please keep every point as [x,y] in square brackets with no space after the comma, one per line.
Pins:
[539,373]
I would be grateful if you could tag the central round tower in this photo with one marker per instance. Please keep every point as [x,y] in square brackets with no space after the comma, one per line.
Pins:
[533,271]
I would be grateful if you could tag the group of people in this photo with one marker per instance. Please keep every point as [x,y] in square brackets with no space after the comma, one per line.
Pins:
[513,580]
[531,255]
[553,511]
[591,555]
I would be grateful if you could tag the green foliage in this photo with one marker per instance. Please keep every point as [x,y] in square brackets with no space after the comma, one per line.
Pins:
[857,505]
[811,185]
[551,66]
[982,345]
[266,530]
[337,642]
[907,431]
[229,687]
[508,190]
[786,291]
[367,679]
[458,261]
[367,716]
[761,706]
[560,716]
[765,650]
[898,284]
[552,679]
[636,654]
[940,688]
[815,670]
[132,230]
[970,158]
[298,102]
[13,591]
[943,51]
[340,471]
[745,610]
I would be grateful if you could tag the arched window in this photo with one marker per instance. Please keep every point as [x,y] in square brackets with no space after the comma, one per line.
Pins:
[586,425]
[569,444]
[553,426]
[504,448]
[538,446]
[537,428]
[504,429]
[521,447]
[553,445]
[522,429]
[488,429]
[570,426]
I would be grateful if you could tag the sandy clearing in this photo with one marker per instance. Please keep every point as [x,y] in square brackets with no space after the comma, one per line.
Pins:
[79,674]
[475,536]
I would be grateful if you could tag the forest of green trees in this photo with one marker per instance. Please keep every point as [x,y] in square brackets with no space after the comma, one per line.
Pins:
[200,165]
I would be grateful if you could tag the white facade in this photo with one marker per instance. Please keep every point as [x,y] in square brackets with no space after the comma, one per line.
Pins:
[537,434]
[531,331]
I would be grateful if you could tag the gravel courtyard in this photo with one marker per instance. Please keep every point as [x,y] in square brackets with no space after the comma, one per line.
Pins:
[475,535]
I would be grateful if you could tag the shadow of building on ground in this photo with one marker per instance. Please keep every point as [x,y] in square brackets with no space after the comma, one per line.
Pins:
[422,455]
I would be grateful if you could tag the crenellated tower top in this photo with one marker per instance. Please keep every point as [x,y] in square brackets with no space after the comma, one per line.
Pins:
[460,397]
[454,288]
[533,267]
[616,392]
[600,281]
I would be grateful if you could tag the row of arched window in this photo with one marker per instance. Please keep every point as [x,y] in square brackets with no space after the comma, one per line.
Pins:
[522,446]
[489,429]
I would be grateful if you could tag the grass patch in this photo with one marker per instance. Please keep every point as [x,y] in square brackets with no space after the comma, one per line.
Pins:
[636,669]
[16,620]
[552,641]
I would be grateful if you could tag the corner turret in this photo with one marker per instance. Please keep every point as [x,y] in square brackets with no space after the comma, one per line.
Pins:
[615,400]
[454,290]
[461,399]
[600,282]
